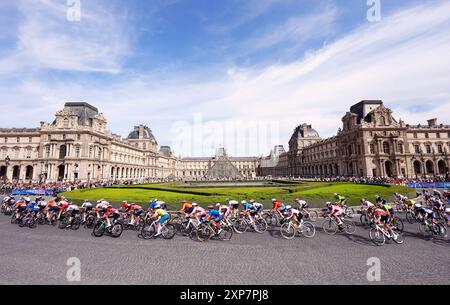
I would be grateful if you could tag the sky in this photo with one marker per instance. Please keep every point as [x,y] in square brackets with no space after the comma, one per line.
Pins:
[235,73]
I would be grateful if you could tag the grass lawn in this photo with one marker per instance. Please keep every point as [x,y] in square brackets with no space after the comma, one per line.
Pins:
[316,193]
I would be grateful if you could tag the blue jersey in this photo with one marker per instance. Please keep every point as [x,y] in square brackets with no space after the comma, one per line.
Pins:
[214,213]
[33,207]
[152,205]
[247,206]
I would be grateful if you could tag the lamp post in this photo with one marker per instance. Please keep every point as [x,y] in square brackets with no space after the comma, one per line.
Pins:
[7,159]
[445,155]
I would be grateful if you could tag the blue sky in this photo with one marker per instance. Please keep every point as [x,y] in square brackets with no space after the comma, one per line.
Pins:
[229,64]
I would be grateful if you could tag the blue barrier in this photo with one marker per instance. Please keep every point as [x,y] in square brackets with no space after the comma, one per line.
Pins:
[429,185]
[32,192]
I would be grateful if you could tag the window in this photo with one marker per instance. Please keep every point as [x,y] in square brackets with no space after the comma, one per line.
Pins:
[30,139]
[18,140]
[427,135]
[90,151]
[66,123]
[99,153]
[417,149]
[49,137]
[439,147]
[382,121]
[400,148]
[415,135]
[6,140]
[64,136]
[428,148]
[29,153]
[77,151]
[438,135]
[47,151]
[16,153]
[386,148]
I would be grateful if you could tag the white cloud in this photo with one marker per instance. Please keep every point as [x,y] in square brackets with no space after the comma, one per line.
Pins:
[47,40]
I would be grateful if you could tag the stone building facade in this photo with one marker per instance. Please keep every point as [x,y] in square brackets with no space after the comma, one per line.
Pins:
[78,146]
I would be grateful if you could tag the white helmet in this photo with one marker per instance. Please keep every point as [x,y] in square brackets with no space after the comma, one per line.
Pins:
[217,204]
[243,202]
[194,204]
[447,210]
[288,207]
[418,205]
[273,200]
[157,206]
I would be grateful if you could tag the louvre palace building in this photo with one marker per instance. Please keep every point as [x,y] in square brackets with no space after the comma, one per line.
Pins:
[77,145]
[371,143]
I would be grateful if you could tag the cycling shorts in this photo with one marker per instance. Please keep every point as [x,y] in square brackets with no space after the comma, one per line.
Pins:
[189,210]
[164,218]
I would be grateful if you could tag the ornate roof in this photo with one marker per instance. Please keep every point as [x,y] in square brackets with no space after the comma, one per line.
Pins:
[305,131]
[141,133]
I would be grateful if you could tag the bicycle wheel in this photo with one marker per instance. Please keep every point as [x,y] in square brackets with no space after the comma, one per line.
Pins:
[62,223]
[349,227]
[364,220]
[425,230]
[168,231]
[410,217]
[307,229]
[270,220]
[399,239]
[203,232]
[329,226]
[148,231]
[397,224]
[287,230]
[240,226]
[226,233]
[440,231]
[116,229]
[377,237]
[260,225]
[76,223]
[99,229]
[350,212]
[313,216]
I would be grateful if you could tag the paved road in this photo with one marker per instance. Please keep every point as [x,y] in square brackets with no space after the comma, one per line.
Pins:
[39,256]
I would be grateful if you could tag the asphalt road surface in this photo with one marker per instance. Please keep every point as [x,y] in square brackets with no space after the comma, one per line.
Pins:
[39,256]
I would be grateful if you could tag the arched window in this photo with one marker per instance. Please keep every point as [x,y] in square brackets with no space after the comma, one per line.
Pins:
[386,148]
[382,121]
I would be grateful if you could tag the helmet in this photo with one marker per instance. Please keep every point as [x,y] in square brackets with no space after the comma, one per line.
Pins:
[447,210]
[334,194]
[296,200]
[363,200]
[251,200]
[157,206]
[377,197]
[328,203]
[210,207]
[418,205]
[288,207]
[243,202]
[194,204]
[124,201]
[217,204]
[273,200]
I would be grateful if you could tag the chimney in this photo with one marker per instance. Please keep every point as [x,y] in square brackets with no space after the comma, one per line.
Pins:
[432,122]
[305,129]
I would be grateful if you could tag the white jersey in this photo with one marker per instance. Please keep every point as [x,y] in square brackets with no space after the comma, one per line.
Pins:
[73,207]
[86,205]
[233,202]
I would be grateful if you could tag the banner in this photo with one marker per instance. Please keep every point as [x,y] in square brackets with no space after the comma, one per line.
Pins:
[429,185]
[32,192]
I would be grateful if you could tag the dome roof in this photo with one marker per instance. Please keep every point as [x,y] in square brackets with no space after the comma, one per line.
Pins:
[306,131]
[141,133]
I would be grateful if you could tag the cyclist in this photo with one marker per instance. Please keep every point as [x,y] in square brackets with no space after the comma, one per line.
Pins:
[125,206]
[136,211]
[21,207]
[383,219]
[86,207]
[198,212]
[101,208]
[186,208]
[113,212]
[400,197]
[293,214]
[62,206]
[52,207]
[223,209]
[215,216]
[278,207]
[336,212]
[341,200]
[447,216]
[152,204]
[234,207]
[72,211]
[162,216]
